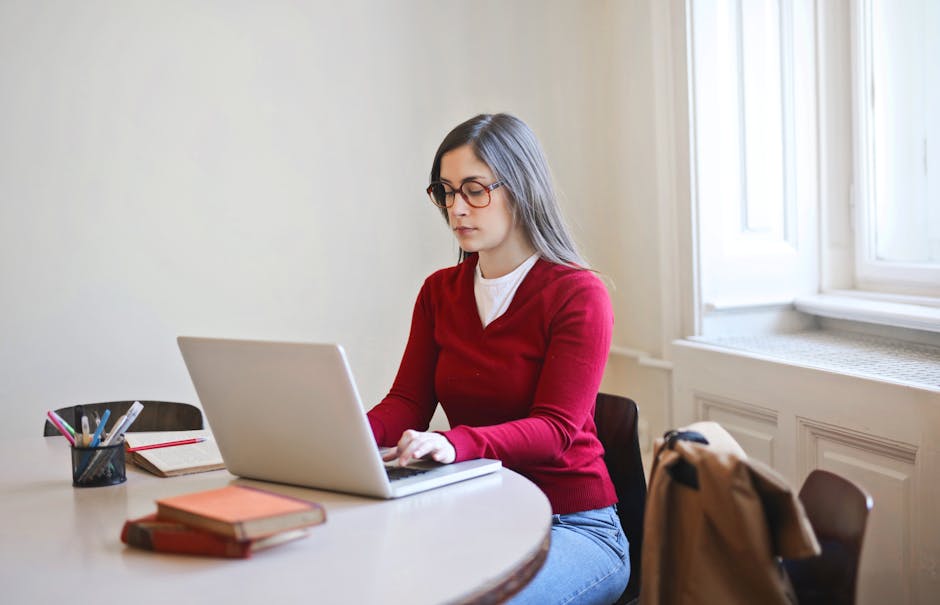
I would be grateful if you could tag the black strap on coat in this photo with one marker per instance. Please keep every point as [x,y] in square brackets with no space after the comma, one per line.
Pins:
[682,471]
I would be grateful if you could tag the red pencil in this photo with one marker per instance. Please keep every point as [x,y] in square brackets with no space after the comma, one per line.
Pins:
[166,444]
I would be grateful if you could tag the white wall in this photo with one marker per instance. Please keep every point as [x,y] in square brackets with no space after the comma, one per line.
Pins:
[255,169]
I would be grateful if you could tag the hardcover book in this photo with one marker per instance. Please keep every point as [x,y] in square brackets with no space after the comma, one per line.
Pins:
[149,533]
[241,512]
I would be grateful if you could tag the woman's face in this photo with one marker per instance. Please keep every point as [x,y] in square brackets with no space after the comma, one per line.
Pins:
[489,230]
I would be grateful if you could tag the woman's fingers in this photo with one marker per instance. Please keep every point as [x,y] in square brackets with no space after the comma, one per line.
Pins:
[404,447]
[441,455]
[415,445]
[411,443]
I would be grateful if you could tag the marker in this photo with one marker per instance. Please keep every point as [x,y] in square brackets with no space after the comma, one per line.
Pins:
[56,422]
[124,423]
[97,436]
[153,446]
[86,437]
[62,421]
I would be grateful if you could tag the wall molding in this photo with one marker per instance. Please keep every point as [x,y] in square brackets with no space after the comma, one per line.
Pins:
[811,431]
[642,358]
[706,401]
[755,427]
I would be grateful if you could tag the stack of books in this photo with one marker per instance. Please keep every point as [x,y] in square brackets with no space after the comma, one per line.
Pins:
[233,522]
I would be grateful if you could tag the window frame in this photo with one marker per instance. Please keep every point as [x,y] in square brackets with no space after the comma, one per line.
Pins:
[871,274]
[731,259]
[832,284]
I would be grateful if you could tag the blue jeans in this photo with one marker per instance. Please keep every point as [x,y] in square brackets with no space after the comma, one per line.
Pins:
[588,561]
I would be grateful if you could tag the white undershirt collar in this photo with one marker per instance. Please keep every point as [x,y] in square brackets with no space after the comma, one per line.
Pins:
[494,295]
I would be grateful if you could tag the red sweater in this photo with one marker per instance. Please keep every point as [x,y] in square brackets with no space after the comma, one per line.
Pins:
[522,389]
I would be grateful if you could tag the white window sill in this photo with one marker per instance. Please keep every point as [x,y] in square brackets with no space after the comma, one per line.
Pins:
[911,313]
[878,336]
[912,365]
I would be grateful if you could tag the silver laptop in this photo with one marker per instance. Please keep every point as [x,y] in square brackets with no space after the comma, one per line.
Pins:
[291,413]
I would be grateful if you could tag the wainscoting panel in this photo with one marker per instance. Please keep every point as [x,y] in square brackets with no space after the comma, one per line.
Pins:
[886,470]
[796,417]
[754,428]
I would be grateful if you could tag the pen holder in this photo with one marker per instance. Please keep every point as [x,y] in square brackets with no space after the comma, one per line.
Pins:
[97,466]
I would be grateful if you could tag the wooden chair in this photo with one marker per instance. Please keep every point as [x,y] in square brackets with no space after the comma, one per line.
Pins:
[616,420]
[838,511]
[156,416]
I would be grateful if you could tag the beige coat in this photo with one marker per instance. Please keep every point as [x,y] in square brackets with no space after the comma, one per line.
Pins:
[719,544]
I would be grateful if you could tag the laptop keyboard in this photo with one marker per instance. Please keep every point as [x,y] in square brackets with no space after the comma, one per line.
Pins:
[403,472]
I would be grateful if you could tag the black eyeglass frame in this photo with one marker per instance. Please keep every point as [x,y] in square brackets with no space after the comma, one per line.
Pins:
[453,194]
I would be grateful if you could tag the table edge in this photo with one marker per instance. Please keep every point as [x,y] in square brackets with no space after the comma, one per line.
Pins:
[513,581]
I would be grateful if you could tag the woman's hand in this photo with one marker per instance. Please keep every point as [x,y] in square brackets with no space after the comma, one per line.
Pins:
[415,445]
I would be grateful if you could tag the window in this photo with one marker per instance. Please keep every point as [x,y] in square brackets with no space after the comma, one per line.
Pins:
[816,154]
[897,180]
[754,153]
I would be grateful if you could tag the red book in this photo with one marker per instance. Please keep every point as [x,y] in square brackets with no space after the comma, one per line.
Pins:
[241,512]
[150,533]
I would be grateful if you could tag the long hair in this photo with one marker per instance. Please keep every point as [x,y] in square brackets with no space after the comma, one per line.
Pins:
[511,150]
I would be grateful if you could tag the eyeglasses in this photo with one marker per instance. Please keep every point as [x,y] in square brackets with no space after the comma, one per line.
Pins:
[474,193]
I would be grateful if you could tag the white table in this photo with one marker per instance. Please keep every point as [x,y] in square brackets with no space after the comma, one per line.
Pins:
[470,542]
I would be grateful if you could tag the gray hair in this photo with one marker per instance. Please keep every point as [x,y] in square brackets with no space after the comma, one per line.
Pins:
[511,150]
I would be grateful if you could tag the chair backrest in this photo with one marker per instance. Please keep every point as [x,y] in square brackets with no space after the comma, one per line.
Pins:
[838,511]
[156,416]
[616,420]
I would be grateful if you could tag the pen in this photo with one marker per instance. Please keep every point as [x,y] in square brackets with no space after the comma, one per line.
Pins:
[54,419]
[97,436]
[166,444]
[92,464]
[124,423]
[113,431]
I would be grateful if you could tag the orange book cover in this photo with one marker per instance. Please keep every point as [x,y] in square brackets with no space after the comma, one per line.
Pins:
[149,533]
[241,512]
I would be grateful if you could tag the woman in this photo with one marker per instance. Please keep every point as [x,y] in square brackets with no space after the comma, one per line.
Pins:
[512,341]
